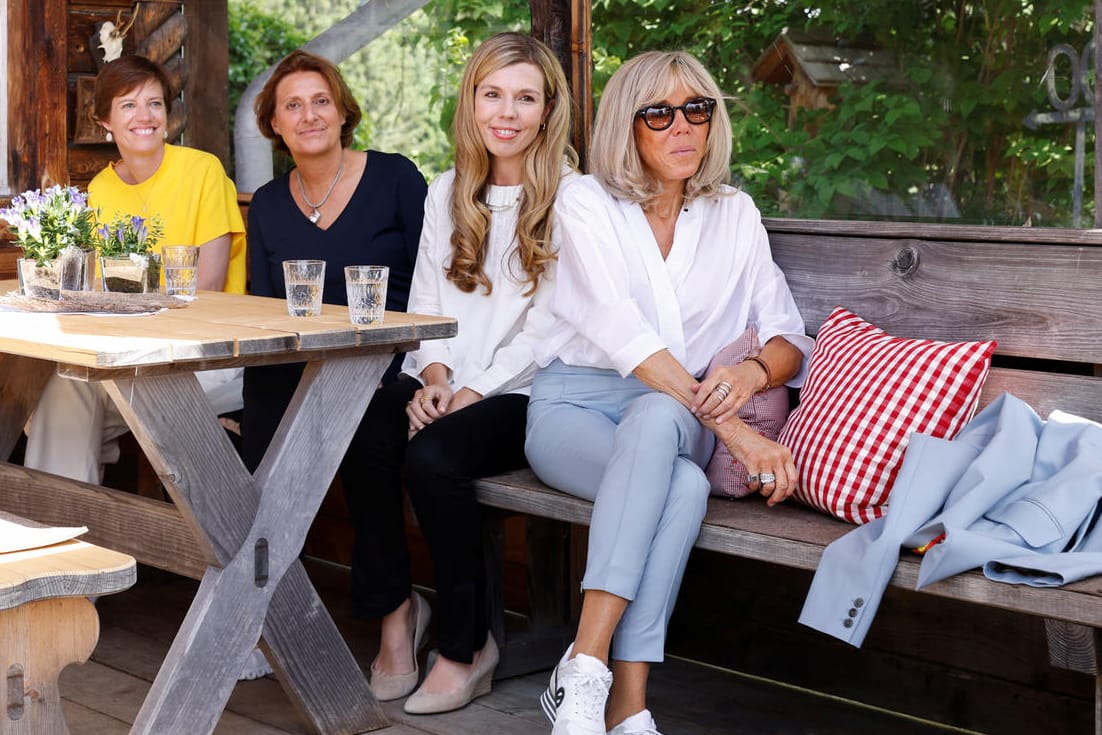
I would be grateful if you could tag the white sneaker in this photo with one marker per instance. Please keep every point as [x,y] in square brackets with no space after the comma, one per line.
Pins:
[256,667]
[641,723]
[575,699]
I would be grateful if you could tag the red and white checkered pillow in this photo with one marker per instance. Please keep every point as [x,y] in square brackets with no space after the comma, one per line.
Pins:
[865,392]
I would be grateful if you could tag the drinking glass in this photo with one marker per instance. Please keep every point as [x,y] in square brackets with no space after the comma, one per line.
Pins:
[304,281]
[366,287]
[181,267]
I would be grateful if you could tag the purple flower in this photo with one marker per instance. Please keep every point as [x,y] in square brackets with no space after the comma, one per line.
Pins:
[139,228]
[47,221]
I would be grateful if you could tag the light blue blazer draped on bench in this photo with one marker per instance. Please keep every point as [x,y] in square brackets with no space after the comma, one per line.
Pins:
[1012,494]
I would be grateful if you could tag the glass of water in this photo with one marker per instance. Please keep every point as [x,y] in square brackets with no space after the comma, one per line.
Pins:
[181,267]
[304,280]
[366,286]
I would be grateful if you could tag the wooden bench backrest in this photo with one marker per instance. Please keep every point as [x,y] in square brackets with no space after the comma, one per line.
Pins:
[1036,291]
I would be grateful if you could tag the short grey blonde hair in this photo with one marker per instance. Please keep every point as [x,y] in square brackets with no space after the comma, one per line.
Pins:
[643,80]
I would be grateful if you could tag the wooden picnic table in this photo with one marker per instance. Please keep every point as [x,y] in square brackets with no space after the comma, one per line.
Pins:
[240,533]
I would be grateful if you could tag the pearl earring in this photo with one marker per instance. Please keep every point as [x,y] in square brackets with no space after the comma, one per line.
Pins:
[109,136]
[166,135]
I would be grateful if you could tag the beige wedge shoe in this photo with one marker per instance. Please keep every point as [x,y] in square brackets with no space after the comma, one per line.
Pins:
[387,687]
[477,685]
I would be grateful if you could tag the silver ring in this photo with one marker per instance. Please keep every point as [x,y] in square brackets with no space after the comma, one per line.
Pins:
[723,390]
[751,479]
[768,478]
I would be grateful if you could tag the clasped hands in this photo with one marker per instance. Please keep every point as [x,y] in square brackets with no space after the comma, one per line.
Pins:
[725,390]
[434,401]
[719,397]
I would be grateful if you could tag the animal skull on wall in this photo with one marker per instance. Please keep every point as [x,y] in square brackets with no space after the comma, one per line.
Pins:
[112,35]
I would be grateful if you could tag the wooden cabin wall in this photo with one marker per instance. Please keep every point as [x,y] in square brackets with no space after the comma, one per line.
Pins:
[189,39]
[53,58]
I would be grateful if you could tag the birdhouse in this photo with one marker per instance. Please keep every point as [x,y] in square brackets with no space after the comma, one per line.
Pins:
[812,65]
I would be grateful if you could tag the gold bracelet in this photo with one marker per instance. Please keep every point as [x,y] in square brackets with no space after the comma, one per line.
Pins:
[764,366]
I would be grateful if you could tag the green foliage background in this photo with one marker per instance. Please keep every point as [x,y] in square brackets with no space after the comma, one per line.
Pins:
[944,138]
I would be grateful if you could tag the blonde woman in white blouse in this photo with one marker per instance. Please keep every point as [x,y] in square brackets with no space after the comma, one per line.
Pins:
[486,247]
[662,264]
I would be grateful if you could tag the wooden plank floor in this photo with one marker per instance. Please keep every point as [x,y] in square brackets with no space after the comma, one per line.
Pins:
[103,696]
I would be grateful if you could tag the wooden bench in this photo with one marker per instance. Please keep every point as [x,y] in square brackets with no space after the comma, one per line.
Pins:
[47,622]
[1035,291]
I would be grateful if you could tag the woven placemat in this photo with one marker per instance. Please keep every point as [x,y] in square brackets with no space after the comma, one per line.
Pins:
[92,302]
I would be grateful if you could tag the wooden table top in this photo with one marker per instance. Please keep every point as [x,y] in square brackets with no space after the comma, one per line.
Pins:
[216,326]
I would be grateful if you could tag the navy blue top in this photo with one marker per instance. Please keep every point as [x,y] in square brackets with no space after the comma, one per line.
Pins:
[381,225]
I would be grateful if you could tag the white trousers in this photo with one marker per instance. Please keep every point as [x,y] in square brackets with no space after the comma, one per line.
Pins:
[637,454]
[75,427]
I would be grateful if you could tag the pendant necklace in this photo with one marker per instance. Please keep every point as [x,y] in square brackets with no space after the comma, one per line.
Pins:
[142,190]
[315,215]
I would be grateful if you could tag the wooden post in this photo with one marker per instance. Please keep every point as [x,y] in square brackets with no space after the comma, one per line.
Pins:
[581,75]
[1098,705]
[208,88]
[37,52]
[1097,119]
[564,25]
[1098,199]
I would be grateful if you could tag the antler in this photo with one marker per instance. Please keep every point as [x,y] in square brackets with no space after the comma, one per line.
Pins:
[121,29]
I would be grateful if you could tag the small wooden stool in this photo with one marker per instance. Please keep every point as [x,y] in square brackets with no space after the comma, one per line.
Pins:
[46,623]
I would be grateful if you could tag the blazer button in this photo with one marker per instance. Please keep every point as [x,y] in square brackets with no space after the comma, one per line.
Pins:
[853,612]
[859,602]
[848,623]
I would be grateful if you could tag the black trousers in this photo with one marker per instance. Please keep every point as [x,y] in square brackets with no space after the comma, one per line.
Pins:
[438,466]
[370,473]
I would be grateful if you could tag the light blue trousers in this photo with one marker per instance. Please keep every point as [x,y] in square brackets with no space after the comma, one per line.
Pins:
[637,454]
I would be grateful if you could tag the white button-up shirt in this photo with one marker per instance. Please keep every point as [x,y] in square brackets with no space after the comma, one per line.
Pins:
[617,302]
[493,350]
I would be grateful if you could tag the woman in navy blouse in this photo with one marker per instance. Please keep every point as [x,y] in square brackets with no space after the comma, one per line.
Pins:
[340,205]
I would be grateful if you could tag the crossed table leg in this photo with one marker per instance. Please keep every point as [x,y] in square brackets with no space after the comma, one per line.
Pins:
[254,527]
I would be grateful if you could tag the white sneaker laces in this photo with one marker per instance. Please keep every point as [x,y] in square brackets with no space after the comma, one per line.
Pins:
[590,692]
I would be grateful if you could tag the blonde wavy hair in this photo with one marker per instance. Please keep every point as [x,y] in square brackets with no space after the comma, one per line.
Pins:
[644,80]
[543,163]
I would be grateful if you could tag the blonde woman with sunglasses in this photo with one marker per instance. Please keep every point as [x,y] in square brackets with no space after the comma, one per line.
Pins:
[662,264]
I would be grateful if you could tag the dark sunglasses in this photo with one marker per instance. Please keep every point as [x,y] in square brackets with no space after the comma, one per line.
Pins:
[697,111]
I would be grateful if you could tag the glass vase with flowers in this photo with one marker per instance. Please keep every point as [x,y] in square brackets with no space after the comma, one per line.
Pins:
[54,230]
[127,259]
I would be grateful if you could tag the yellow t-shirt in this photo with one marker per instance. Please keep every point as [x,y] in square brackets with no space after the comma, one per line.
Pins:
[194,198]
